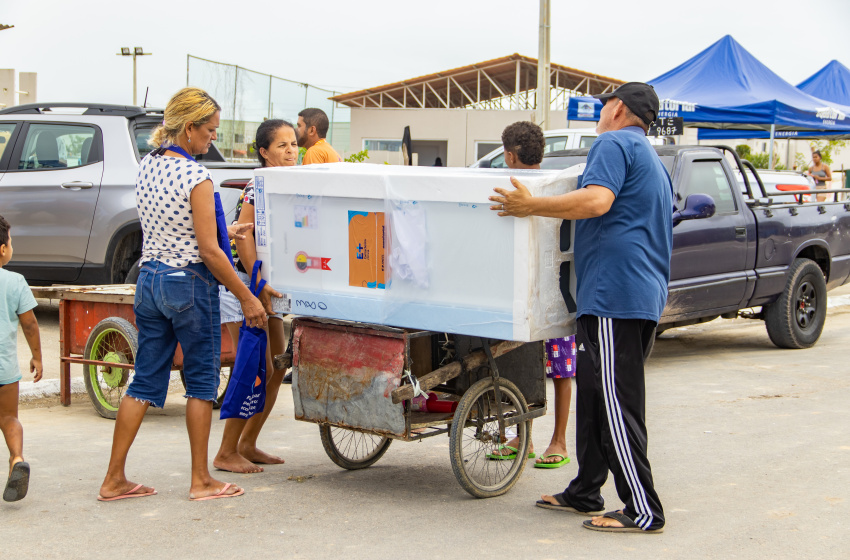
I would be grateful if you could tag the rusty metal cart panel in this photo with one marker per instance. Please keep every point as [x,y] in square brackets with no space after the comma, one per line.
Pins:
[357,380]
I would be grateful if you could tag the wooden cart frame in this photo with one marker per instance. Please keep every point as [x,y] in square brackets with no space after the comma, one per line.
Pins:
[89,312]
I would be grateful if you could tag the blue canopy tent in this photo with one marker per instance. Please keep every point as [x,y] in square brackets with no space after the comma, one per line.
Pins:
[735,134]
[832,83]
[725,86]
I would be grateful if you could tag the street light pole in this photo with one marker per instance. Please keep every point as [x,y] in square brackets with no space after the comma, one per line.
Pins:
[543,81]
[137,51]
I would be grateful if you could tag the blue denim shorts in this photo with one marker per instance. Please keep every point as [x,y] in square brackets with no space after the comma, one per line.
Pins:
[176,304]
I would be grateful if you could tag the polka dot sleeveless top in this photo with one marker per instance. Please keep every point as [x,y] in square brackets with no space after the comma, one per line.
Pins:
[163,187]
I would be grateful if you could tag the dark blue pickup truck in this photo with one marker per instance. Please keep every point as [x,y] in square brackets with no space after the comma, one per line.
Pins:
[751,252]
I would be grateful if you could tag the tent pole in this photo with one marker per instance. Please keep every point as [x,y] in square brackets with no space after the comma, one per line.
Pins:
[772,136]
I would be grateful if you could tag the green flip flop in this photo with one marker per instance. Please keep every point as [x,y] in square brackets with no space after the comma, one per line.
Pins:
[500,457]
[564,460]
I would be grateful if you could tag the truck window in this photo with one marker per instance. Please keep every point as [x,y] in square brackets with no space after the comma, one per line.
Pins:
[142,135]
[57,146]
[708,177]
[498,161]
[586,141]
[6,130]
[555,143]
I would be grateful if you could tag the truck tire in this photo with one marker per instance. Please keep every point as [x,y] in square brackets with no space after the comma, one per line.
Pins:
[125,258]
[797,318]
[133,274]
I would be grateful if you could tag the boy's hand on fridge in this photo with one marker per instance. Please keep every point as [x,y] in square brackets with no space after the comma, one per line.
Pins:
[37,369]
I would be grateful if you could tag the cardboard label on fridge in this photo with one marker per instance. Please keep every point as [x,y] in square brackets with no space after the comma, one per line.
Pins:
[367,249]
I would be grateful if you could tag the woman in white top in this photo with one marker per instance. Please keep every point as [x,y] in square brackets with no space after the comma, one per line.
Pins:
[177,298]
[277,146]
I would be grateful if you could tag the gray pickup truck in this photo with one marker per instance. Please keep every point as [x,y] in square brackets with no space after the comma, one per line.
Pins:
[67,180]
[751,256]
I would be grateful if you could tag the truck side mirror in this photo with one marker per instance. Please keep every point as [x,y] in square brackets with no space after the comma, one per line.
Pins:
[697,207]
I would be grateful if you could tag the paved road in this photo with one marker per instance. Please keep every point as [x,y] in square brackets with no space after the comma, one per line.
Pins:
[750,448]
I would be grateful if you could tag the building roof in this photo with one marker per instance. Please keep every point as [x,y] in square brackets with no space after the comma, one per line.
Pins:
[479,86]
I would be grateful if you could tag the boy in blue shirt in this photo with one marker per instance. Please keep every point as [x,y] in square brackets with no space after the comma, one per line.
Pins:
[16,305]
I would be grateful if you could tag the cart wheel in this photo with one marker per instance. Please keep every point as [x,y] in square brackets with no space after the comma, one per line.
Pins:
[113,340]
[223,382]
[475,435]
[350,449]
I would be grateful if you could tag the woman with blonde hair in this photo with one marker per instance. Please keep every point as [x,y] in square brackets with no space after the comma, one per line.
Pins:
[177,295]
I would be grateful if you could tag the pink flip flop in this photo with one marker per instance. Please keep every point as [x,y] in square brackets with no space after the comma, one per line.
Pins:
[129,494]
[219,494]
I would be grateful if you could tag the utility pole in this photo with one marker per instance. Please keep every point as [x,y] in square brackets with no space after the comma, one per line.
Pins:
[137,51]
[543,81]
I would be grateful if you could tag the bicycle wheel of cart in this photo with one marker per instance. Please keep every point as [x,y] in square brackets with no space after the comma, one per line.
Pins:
[475,435]
[113,340]
[350,449]
[223,382]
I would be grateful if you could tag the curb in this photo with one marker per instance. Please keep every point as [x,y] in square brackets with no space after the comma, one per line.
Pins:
[49,388]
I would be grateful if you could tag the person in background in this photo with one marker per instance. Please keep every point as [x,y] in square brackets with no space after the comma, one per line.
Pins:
[820,172]
[524,144]
[16,306]
[177,295]
[276,146]
[312,130]
[624,241]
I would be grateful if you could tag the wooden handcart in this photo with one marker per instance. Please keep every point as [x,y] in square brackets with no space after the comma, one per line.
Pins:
[97,328]
[357,381]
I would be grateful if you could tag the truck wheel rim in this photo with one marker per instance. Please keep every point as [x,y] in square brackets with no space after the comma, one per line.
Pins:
[807,304]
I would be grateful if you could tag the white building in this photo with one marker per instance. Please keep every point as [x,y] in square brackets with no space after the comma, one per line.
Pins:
[458,115]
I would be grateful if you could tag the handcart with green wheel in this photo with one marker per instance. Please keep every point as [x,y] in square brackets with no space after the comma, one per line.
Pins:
[97,328]
[360,383]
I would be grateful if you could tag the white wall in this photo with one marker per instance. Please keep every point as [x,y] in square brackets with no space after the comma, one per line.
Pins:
[459,128]
[7,88]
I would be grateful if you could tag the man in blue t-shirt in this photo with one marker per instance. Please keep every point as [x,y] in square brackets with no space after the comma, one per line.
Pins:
[624,238]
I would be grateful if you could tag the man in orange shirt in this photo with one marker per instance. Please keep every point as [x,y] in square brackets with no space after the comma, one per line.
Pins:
[312,130]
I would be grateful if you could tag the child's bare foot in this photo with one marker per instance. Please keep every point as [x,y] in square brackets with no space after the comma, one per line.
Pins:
[214,489]
[256,455]
[234,462]
[14,461]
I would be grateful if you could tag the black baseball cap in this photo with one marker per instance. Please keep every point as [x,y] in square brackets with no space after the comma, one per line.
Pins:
[639,97]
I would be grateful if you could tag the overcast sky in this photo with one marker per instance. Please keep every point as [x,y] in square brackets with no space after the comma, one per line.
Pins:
[347,45]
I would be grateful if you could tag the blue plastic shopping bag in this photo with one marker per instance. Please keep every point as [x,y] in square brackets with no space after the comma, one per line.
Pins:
[246,392]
